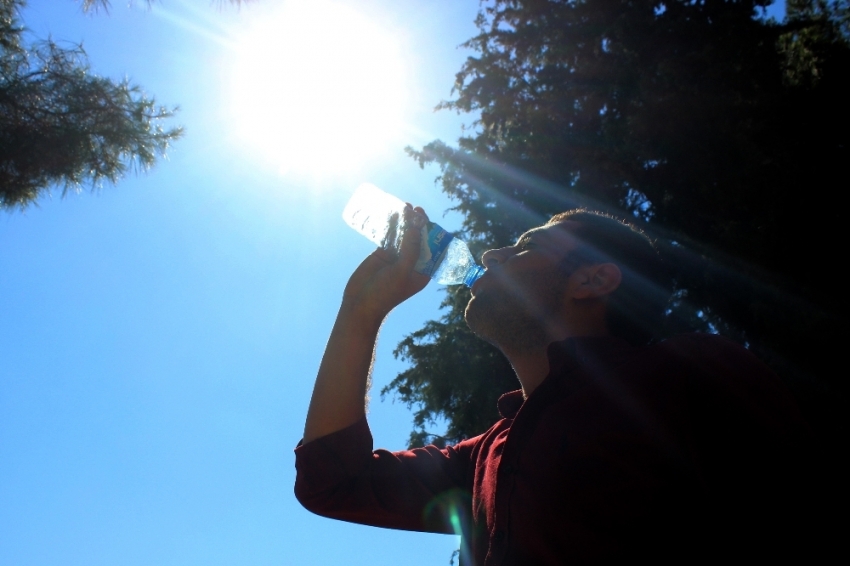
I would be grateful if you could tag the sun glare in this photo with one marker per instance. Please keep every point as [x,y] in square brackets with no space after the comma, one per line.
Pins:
[318,88]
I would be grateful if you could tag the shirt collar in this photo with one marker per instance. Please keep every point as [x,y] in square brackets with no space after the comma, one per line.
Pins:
[593,354]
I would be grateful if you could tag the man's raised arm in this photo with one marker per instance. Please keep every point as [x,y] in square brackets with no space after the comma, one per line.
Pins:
[376,287]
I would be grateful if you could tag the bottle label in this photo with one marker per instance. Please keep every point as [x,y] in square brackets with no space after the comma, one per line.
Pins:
[435,241]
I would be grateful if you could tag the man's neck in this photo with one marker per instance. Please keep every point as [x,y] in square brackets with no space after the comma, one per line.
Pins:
[531,368]
[531,365]
[531,360]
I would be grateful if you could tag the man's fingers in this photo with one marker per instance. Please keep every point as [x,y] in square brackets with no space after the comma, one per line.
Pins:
[383,256]
[412,238]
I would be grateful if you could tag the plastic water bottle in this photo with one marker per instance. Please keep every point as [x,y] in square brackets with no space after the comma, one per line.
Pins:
[380,217]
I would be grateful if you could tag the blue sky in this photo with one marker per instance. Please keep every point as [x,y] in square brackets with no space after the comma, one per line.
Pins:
[159,338]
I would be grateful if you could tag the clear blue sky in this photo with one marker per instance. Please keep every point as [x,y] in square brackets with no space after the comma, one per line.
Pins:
[159,339]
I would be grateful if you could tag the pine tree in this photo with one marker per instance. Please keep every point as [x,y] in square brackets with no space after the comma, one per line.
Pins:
[62,125]
[720,132]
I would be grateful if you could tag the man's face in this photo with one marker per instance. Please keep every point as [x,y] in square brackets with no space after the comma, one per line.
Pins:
[523,290]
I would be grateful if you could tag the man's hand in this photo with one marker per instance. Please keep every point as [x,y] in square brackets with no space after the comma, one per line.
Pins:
[382,281]
[377,286]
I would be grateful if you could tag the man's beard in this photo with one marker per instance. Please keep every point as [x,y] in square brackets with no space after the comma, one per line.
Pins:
[512,321]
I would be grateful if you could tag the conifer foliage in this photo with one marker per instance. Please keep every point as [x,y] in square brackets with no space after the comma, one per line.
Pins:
[721,132]
[62,125]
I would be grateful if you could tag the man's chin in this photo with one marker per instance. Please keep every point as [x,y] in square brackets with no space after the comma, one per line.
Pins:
[471,314]
[495,319]
[477,316]
[466,312]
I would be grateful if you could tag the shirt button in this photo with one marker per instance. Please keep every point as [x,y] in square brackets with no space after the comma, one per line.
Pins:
[499,535]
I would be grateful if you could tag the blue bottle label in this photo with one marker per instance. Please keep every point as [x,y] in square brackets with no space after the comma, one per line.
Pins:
[434,244]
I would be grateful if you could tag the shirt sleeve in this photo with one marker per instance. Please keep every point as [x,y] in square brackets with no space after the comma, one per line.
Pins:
[340,476]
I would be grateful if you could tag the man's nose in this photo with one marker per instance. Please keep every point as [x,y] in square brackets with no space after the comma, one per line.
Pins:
[492,258]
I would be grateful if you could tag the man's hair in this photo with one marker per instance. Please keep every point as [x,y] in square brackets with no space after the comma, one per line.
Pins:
[636,308]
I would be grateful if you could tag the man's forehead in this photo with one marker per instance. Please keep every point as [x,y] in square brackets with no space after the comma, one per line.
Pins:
[559,234]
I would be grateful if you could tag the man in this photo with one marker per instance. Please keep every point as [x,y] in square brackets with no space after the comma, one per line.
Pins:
[677,452]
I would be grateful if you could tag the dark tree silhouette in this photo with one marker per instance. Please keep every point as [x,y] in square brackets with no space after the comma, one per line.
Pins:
[722,133]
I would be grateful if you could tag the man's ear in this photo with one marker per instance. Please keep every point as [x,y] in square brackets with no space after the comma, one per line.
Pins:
[598,281]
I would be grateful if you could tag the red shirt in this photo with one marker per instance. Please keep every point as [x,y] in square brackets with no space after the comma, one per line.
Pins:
[678,452]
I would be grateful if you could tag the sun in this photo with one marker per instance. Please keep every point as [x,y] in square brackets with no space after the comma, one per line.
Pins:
[318,88]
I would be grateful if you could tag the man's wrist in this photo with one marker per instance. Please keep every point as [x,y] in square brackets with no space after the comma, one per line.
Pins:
[357,316]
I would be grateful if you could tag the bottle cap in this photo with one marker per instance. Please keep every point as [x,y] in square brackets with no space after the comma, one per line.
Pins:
[473,275]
